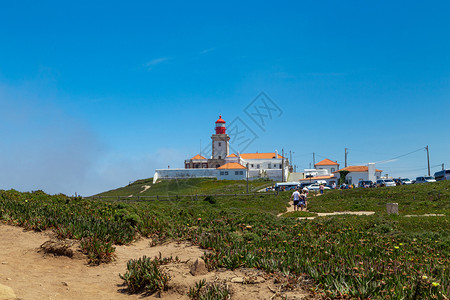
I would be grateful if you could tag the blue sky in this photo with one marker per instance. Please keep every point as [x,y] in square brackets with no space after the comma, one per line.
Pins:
[95,94]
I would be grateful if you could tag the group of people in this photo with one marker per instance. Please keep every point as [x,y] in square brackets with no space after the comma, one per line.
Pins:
[300,199]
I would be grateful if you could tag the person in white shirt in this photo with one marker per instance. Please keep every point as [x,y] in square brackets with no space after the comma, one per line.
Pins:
[305,190]
[296,196]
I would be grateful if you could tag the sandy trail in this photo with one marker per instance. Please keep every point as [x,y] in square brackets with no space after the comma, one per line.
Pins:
[146,187]
[35,276]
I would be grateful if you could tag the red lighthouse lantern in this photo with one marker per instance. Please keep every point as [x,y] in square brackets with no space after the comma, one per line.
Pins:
[220,126]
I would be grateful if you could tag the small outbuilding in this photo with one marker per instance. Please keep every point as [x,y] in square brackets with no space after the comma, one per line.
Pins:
[231,171]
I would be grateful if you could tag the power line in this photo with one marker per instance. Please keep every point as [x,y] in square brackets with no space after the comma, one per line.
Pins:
[420,169]
[379,162]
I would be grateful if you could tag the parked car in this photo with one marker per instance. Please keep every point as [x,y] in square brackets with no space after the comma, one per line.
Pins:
[365,184]
[402,181]
[423,179]
[303,184]
[405,181]
[385,182]
[442,175]
[316,187]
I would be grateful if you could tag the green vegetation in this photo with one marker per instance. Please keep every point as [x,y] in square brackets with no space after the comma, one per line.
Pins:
[207,291]
[145,274]
[378,256]
[190,186]
[427,198]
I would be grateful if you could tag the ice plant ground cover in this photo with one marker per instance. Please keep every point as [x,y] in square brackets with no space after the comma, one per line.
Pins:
[379,256]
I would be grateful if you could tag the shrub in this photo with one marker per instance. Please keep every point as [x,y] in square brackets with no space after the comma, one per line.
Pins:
[145,274]
[206,291]
[210,199]
[98,251]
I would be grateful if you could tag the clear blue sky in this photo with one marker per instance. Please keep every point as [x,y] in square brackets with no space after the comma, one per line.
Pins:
[96,94]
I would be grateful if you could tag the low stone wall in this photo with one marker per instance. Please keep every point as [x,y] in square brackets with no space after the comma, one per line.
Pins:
[184,173]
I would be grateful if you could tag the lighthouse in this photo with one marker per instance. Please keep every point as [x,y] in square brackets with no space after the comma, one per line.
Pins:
[220,145]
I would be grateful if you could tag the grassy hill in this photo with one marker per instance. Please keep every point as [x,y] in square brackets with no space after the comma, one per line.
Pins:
[346,257]
[190,186]
[427,198]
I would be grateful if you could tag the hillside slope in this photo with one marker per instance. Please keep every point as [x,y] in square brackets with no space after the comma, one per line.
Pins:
[145,187]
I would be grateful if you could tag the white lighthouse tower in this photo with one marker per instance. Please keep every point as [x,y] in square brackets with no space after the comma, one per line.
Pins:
[220,145]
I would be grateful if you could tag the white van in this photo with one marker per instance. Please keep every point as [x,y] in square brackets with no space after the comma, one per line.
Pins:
[385,182]
[442,175]
[423,179]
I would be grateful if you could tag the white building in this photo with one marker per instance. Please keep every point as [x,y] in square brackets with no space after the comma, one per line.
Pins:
[269,165]
[262,165]
[359,173]
[328,171]
[323,172]
[232,171]
[327,165]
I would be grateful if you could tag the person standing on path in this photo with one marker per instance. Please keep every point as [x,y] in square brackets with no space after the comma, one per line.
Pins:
[303,203]
[296,196]
[321,188]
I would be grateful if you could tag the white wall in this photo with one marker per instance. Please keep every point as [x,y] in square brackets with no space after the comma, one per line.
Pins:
[328,169]
[357,176]
[230,174]
[263,163]
[220,151]
[184,173]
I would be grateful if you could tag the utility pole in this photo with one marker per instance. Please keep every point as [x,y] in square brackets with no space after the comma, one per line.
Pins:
[443,167]
[346,157]
[290,157]
[282,165]
[314,160]
[247,178]
[428,160]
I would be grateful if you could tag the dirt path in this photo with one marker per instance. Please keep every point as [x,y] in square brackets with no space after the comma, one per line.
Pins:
[146,187]
[358,213]
[35,276]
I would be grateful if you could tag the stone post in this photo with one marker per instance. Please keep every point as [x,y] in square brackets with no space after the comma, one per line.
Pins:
[392,208]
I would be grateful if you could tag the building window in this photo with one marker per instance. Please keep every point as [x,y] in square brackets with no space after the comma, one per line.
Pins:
[332,169]
[186,166]
[268,166]
[252,165]
[222,172]
[197,166]
[220,157]
[226,172]
[280,166]
[241,172]
[236,172]
[220,144]
[257,166]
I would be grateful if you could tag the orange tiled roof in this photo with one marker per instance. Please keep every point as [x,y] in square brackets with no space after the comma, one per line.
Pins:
[260,155]
[232,155]
[326,162]
[357,169]
[318,178]
[198,156]
[231,166]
